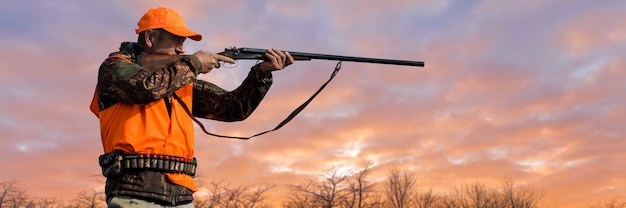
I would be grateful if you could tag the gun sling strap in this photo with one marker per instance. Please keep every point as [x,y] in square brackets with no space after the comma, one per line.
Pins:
[281,124]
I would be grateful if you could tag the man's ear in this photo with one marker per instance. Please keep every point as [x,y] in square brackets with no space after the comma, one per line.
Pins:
[148,38]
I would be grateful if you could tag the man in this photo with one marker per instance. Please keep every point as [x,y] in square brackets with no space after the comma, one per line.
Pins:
[143,107]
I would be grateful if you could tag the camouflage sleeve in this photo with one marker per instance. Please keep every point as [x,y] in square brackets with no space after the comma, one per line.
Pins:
[213,102]
[121,80]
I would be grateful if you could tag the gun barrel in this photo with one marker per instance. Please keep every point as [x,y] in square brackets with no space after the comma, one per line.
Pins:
[339,58]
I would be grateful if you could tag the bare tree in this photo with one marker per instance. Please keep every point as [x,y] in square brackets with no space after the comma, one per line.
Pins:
[226,195]
[89,199]
[233,196]
[377,200]
[255,196]
[213,198]
[12,195]
[610,204]
[481,196]
[519,196]
[475,195]
[455,199]
[44,202]
[426,200]
[400,187]
[301,199]
[360,190]
[7,189]
[327,193]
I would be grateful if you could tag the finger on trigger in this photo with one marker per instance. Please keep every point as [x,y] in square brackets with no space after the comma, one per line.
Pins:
[226,59]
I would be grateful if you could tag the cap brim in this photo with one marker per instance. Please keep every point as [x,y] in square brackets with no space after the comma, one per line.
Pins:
[184,32]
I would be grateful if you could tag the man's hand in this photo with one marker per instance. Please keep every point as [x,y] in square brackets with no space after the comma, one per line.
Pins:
[210,60]
[276,60]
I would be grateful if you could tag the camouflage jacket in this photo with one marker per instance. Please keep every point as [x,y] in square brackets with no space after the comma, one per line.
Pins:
[140,85]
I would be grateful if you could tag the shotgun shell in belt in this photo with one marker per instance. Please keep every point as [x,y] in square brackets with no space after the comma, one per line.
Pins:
[133,163]
[153,161]
[166,162]
[126,164]
[160,162]
[140,162]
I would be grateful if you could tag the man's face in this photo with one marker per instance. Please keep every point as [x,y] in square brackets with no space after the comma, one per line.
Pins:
[168,43]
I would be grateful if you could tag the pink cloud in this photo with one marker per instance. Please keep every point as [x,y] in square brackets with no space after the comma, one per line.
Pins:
[592,31]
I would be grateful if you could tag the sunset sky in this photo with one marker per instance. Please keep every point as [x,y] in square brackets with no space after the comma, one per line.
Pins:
[531,90]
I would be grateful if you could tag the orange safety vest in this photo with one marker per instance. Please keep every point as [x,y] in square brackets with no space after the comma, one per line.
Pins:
[147,129]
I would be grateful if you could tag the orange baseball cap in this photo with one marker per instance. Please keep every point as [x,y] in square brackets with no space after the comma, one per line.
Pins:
[167,19]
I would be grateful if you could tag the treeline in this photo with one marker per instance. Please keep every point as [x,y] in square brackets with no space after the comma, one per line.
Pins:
[333,188]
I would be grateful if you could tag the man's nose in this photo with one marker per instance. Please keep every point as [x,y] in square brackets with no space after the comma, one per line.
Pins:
[180,49]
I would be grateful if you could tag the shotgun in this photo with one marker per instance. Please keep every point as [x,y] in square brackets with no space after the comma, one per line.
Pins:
[255,53]
[157,61]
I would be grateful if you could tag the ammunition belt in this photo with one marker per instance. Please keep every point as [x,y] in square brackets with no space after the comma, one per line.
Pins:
[114,163]
[163,163]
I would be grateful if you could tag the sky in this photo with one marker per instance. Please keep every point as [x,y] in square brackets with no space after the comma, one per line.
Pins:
[530,90]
